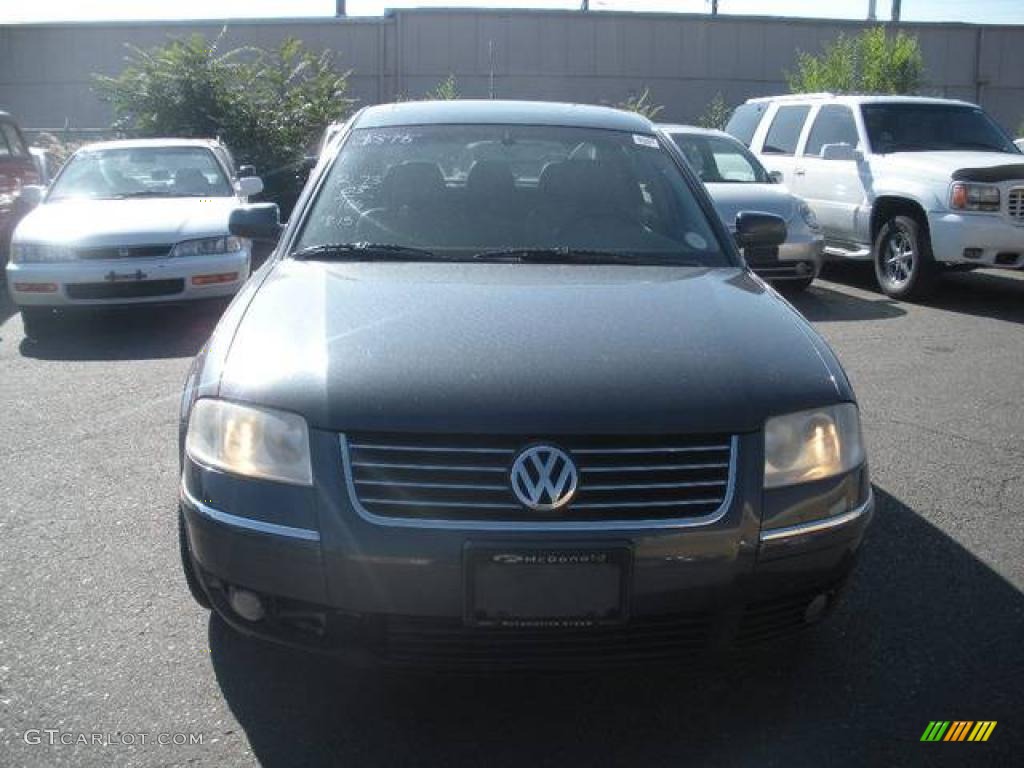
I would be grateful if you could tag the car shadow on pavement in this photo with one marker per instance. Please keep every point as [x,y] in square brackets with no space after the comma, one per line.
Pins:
[926,632]
[998,294]
[821,304]
[139,333]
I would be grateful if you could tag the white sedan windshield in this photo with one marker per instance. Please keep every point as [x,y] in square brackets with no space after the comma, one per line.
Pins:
[142,172]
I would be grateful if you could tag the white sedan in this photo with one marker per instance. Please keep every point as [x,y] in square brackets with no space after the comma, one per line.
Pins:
[130,222]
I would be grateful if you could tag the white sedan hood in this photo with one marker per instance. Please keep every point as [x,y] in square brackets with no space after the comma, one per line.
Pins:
[149,221]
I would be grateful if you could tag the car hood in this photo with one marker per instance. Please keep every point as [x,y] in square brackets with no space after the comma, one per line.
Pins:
[942,166]
[730,199]
[525,349]
[149,221]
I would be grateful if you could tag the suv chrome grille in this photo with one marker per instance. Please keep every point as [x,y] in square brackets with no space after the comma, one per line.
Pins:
[1015,204]
[467,478]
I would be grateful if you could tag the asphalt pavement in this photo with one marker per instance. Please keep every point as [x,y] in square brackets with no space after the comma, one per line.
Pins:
[103,655]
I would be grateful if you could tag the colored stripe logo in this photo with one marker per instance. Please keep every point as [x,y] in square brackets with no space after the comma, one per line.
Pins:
[958,730]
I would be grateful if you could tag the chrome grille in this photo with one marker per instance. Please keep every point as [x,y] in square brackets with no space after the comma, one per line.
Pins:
[1015,204]
[125,252]
[467,478]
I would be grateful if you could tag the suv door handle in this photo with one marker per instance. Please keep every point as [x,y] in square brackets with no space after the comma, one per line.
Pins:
[799,172]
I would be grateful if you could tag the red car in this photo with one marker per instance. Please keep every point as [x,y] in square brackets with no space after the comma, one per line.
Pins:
[16,170]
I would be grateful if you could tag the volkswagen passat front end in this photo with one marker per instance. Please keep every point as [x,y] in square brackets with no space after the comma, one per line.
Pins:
[507,395]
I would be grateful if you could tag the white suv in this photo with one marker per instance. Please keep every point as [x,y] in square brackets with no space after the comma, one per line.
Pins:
[915,184]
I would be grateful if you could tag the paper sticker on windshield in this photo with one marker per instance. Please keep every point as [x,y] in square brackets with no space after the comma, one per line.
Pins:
[645,141]
[696,242]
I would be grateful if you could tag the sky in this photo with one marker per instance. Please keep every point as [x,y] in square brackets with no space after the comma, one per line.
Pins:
[26,11]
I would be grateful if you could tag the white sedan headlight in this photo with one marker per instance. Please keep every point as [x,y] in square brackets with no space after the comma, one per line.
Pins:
[255,442]
[35,253]
[208,246]
[812,445]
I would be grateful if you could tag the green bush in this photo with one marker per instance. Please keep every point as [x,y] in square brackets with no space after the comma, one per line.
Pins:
[716,115]
[269,107]
[641,103]
[871,62]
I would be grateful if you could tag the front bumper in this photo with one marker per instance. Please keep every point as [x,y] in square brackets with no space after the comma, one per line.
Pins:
[335,581]
[799,258]
[987,240]
[126,281]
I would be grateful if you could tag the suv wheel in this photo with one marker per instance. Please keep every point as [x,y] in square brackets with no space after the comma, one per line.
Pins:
[903,259]
[39,323]
[188,566]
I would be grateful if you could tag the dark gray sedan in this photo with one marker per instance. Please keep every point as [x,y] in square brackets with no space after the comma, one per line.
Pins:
[517,407]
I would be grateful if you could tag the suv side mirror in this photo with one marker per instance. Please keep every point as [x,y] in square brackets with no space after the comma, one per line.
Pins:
[259,221]
[30,196]
[775,177]
[248,186]
[759,230]
[840,152]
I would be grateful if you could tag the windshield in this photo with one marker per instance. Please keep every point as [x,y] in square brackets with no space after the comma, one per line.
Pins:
[717,160]
[930,127]
[142,172]
[461,190]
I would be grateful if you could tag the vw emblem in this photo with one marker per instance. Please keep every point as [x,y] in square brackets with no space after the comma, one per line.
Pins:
[544,478]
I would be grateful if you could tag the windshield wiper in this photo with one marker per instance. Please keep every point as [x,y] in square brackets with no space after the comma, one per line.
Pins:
[566,255]
[140,193]
[365,252]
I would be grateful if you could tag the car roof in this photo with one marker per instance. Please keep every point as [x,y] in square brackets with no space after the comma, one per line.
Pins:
[866,98]
[694,130]
[143,143]
[466,111]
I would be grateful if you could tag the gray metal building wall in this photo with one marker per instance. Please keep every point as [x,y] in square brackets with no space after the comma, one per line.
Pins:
[595,57]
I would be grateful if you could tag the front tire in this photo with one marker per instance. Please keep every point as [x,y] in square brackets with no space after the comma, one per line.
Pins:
[794,286]
[39,323]
[904,265]
[188,567]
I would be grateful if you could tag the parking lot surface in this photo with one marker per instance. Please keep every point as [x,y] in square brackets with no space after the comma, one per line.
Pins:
[99,636]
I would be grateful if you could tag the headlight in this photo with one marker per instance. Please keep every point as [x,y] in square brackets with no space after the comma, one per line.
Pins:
[808,216]
[255,442]
[208,246]
[973,197]
[32,253]
[812,445]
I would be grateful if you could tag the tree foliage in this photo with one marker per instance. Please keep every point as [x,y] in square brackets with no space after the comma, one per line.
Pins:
[716,115]
[268,106]
[871,62]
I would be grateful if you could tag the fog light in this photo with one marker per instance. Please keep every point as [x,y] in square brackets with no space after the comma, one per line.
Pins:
[246,604]
[972,253]
[220,277]
[816,608]
[35,287]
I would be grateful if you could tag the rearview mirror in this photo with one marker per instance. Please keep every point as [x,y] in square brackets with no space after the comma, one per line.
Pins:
[841,151]
[260,221]
[759,230]
[248,186]
[30,196]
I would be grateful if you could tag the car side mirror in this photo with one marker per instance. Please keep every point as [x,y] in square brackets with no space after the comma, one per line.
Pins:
[30,196]
[248,186]
[840,152]
[246,170]
[775,177]
[759,230]
[259,221]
